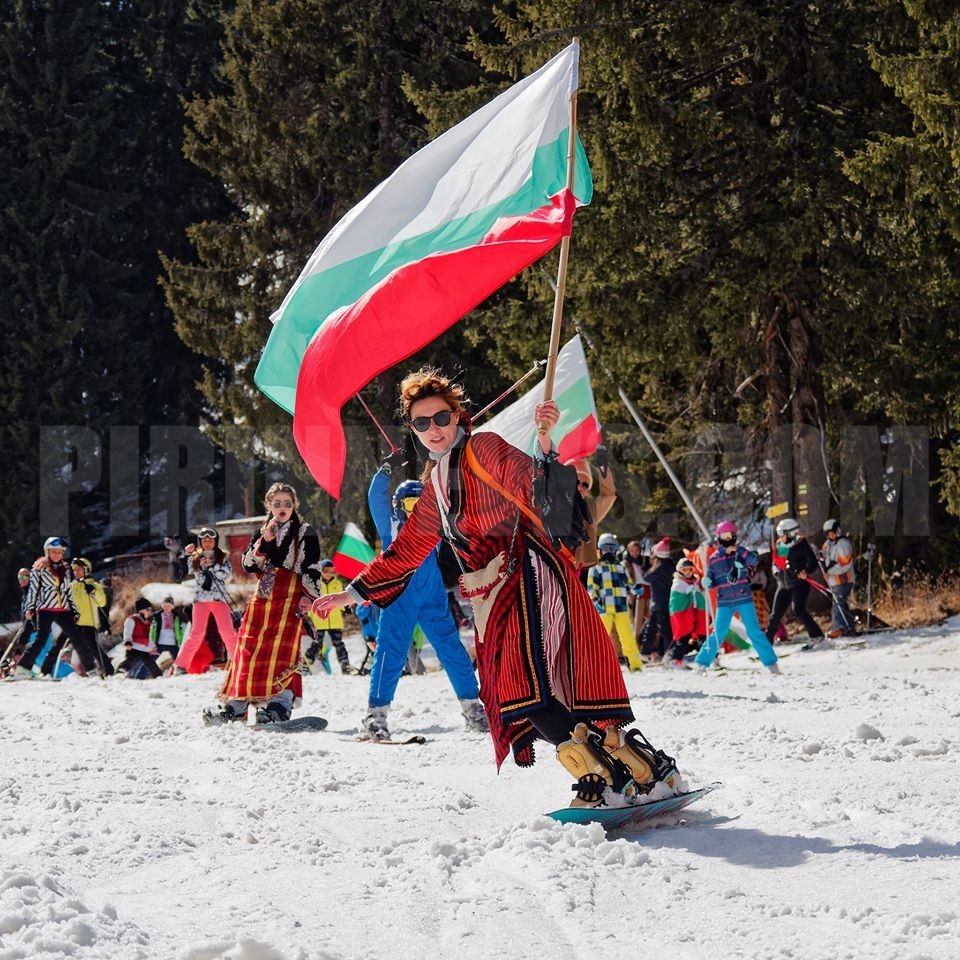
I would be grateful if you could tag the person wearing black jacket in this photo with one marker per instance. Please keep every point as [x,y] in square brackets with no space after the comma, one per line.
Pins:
[794,561]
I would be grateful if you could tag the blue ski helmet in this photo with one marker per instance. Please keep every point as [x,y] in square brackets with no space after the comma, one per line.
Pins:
[405,497]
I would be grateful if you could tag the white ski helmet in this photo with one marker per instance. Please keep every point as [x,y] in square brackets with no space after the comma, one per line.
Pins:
[788,527]
[608,543]
[53,543]
[832,526]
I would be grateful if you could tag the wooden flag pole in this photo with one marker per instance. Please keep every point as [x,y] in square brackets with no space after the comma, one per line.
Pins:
[556,327]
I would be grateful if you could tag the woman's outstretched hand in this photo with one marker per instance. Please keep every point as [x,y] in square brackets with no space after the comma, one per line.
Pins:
[330,601]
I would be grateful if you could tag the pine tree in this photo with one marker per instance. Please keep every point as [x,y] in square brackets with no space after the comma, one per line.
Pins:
[311,116]
[726,267]
[93,184]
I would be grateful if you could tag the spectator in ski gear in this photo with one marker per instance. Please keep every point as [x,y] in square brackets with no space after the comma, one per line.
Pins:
[140,658]
[331,626]
[89,601]
[48,602]
[211,569]
[544,656]
[793,563]
[424,602]
[166,630]
[657,636]
[25,635]
[688,614]
[265,668]
[730,569]
[597,507]
[23,582]
[610,589]
[635,563]
[836,554]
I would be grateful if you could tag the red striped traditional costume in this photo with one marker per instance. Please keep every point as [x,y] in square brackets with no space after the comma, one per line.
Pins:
[544,636]
[267,655]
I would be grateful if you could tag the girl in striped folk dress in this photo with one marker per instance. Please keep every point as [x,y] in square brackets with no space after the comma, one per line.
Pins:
[544,658]
[285,555]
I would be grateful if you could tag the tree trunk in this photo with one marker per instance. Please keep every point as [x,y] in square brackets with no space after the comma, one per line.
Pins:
[795,448]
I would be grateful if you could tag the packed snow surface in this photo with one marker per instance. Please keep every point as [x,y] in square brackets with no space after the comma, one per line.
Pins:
[129,830]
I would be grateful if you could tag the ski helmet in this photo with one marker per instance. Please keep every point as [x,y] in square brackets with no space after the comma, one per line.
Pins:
[788,528]
[53,543]
[608,544]
[727,531]
[23,575]
[405,497]
[832,526]
[686,568]
[82,562]
[325,563]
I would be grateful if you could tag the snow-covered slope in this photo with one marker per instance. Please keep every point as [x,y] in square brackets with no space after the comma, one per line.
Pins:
[128,830]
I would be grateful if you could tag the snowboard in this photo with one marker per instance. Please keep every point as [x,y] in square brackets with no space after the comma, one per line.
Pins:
[294,725]
[616,818]
[416,738]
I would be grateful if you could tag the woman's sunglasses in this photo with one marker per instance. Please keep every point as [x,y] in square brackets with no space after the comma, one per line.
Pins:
[441,418]
[282,504]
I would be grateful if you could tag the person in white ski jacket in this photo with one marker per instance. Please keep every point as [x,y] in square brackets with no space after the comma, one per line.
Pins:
[836,554]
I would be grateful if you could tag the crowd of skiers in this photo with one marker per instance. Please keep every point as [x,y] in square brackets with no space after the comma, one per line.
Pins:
[554,604]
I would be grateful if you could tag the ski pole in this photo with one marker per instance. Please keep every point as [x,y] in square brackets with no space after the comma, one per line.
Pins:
[383,433]
[538,365]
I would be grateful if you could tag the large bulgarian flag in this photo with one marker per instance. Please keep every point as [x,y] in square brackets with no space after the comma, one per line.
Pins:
[353,552]
[577,432]
[452,224]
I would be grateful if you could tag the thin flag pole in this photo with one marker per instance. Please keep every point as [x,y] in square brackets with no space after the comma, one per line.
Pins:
[557,323]
[506,393]
[376,423]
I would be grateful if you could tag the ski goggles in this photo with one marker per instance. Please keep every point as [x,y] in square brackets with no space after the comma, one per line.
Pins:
[207,533]
[441,418]
[56,544]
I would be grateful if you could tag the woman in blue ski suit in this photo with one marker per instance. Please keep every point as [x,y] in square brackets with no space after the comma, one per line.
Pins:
[729,569]
[424,602]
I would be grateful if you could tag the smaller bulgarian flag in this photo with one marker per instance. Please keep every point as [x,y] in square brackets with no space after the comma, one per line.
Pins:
[577,433]
[353,552]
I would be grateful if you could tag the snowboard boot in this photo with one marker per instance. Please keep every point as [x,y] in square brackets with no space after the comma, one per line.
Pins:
[647,766]
[474,716]
[374,725]
[273,712]
[313,651]
[585,757]
[220,714]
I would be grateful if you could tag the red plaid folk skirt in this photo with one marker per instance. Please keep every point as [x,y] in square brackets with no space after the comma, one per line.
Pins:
[268,644]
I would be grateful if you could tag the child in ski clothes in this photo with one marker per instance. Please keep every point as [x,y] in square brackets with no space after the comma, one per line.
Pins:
[688,613]
[657,637]
[331,625]
[140,661]
[285,555]
[730,569]
[89,600]
[609,585]
[166,630]
[211,568]
[836,555]
[49,602]
[424,602]
[793,563]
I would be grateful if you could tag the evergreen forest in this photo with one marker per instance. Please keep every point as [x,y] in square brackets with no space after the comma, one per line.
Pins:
[769,268]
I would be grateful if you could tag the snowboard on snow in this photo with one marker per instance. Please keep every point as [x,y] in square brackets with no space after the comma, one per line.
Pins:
[616,818]
[294,725]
